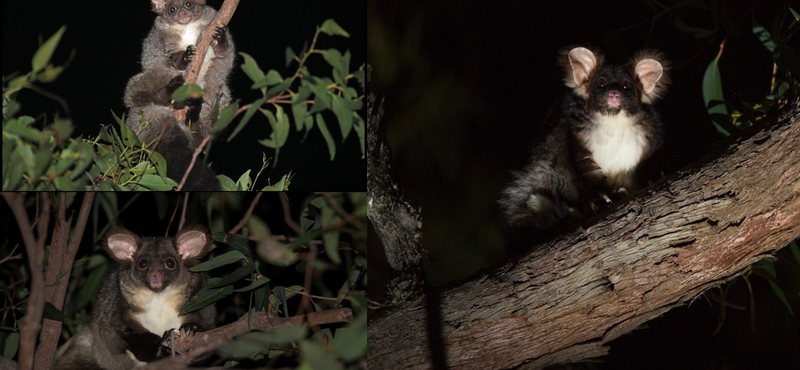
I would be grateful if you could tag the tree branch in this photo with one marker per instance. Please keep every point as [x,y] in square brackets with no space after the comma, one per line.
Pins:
[207,36]
[59,268]
[264,322]
[661,248]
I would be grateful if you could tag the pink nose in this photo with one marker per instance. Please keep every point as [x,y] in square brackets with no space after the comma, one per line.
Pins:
[613,94]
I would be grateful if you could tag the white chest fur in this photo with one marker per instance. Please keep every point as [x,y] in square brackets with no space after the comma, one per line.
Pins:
[190,35]
[159,310]
[617,144]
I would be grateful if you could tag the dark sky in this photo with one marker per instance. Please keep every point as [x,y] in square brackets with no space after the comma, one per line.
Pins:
[106,37]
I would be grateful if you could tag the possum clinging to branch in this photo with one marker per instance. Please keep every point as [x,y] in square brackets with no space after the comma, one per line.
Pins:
[167,51]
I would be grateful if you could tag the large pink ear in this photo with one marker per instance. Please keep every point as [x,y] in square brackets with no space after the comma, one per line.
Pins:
[649,72]
[193,242]
[652,72]
[159,5]
[122,244]
[583,63]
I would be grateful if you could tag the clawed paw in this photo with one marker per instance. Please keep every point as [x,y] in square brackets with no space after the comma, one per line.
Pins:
[189,54]
[173,335]
[220,33]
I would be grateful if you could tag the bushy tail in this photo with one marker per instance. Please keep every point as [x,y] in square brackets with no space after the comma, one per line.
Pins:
[177,150]
[177,145]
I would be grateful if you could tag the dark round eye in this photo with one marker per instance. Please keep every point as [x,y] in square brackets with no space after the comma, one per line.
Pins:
[172,9]
[142,264]
[626,84]
[601,82]
[170,263]
[188,5]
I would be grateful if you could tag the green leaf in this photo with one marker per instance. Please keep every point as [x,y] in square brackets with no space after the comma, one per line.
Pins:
[289,55]
[336,60]
[154,182]
[20,127]
[359,75]
[302,93]
[227,184]
[330,27]
[317,357]
[236,242]
[359,127]
[712,90]
[763,36]
[299,112]
[159,163]
[281,185]
[343,114]
[280,293]
[280,127]
[277,89]
[12,345]
[243,183]
[186,92]
[53,313]
[331,238]
[205,297]
[226,116]
[326,135]
[261,296]
[273,77]
[319,86]
[261,280]
[251,69]
[222,260]
[238,274]
[42,160]
[45,52]
[321,103]
[351,343]
[247,115]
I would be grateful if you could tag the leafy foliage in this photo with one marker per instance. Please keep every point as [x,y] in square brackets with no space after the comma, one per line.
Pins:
[48,159]
[335,95]
[268,275]
[751,107]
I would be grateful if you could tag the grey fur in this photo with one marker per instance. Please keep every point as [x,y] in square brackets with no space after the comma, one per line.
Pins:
[147,94]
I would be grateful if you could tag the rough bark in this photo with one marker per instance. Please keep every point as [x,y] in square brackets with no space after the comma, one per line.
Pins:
[657,250]
[395,222]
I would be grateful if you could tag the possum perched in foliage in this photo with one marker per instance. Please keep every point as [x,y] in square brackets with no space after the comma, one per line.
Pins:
[599,134]
[138,304]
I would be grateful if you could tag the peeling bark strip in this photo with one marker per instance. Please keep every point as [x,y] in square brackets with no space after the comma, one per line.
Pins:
[563,302]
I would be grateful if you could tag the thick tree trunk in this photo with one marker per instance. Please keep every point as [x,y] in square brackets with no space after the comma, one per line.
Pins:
[660,249]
